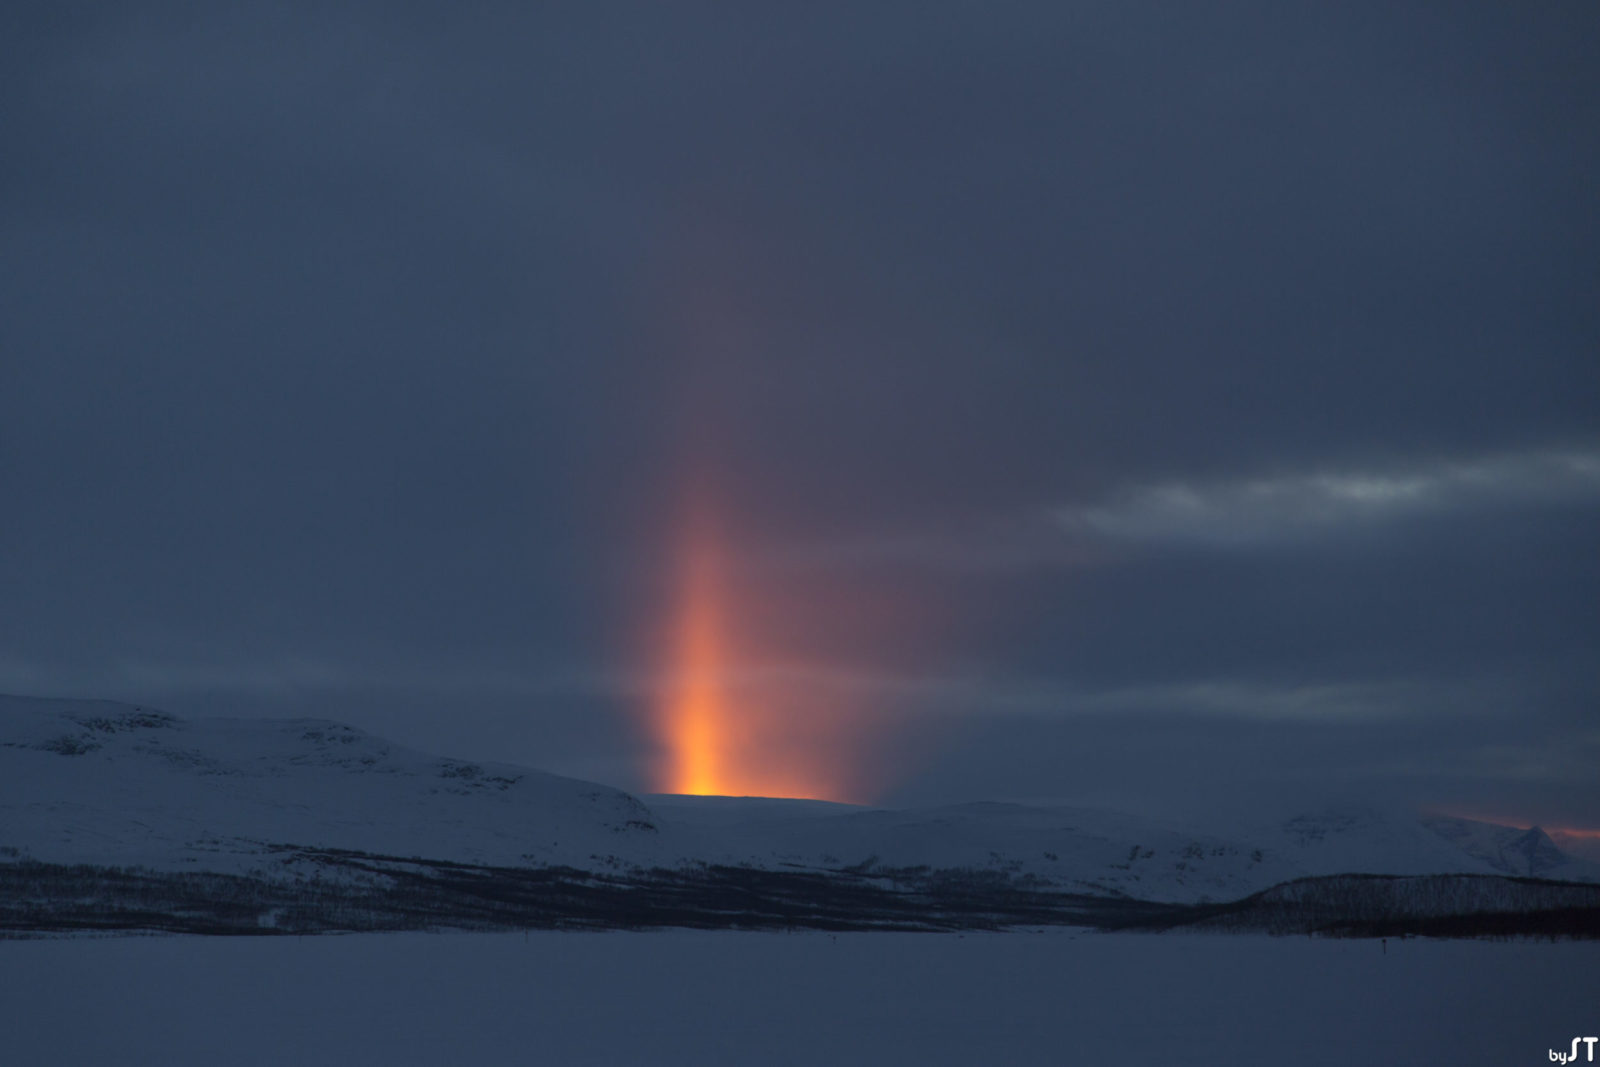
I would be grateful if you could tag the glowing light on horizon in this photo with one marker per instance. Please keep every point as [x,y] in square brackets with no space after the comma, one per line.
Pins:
[758,669]
[697,715]
[727,726]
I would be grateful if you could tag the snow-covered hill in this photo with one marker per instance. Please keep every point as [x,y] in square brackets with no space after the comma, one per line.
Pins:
[1075,849]
[112,784]
[1094,850]
[116,785]
[1512,850]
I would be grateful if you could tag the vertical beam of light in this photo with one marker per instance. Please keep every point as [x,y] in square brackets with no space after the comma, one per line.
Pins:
[696,714]
[764,673]
[728,726]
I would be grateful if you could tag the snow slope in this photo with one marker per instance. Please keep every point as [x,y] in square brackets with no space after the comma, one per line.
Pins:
[98,782]
[1351,839]
[113,784]
[1094,850]
[1529,852]
[1075,849]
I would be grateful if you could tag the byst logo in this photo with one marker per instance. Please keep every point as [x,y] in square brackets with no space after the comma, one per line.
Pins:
[1572,1057]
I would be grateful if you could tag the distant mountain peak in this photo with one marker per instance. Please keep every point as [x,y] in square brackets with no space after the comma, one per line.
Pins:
[1538,850]
[1509,849]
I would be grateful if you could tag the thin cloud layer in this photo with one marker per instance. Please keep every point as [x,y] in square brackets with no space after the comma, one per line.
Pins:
[1244,513]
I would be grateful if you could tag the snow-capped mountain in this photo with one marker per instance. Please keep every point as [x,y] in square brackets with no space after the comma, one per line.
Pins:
[123,786]
[1347,839]
[113,784]
[1530,852]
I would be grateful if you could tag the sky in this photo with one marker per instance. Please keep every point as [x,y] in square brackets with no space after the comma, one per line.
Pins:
[1183,407]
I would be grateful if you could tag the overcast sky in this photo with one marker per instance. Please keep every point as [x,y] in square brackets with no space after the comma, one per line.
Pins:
[1168,405]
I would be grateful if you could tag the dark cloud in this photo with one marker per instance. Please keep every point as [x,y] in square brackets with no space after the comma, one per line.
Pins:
[1065,372]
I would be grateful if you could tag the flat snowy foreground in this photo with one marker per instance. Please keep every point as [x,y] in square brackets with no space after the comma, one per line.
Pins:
[687,997]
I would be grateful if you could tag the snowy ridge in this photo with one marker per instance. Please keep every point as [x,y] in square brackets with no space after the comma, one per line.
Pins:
[1082,849]
[1530,853]
[105,783]
[1074,849]
[1357,839]
[122,786]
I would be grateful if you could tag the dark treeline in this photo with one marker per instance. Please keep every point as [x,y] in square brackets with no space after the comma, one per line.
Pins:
[353,891]
[1377,905]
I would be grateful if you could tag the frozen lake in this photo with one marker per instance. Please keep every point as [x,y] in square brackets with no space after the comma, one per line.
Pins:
[689,997]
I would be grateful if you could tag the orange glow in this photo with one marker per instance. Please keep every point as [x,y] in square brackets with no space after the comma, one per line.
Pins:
[697,717]
[767,680]
[732,720]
